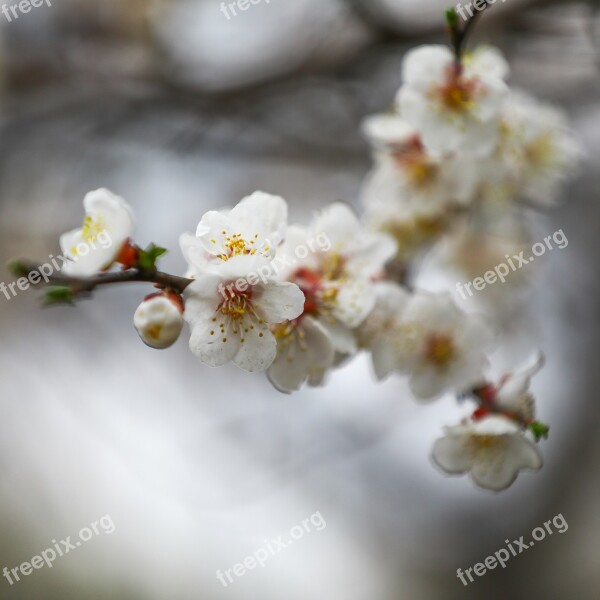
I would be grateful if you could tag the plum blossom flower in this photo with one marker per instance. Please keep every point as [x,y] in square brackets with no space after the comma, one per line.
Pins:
[304,353]
[446,348]
[405,172]
[337,281]
[454,107]
[492,450]
[230,321]
[253,228]
[539,148]
[159,320]
[106,229]
[413,233]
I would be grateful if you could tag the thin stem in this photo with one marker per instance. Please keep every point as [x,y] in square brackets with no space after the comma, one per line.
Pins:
[83,285]
[459,35]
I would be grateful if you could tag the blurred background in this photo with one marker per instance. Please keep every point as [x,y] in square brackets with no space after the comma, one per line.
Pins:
[180,109]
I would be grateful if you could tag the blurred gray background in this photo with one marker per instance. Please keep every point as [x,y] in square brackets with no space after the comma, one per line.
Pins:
[180,110]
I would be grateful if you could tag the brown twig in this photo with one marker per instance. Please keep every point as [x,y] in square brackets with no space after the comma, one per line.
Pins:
[86,285]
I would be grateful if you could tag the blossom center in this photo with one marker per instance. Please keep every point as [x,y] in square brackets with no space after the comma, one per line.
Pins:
[92,228]
[440,350]
[236,245]
[486,447]
[319,297]
[237,305]
[333,266]
[457,95]
[540,151]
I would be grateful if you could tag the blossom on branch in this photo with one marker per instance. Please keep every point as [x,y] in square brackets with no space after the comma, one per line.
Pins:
[492,450]
[106,229]
[453,106]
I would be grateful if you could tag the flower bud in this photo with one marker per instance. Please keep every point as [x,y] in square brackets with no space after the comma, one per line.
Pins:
[159,320]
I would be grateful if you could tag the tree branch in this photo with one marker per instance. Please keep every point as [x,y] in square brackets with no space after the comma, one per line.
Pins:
[86,285]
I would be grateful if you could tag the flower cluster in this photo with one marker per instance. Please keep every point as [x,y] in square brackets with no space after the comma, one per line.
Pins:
[455,159]
[297,301]
[460,139]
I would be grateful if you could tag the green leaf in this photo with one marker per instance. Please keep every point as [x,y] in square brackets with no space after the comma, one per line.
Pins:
[539,430]
[18,268]
[59,294]
[148,257]
[451,17]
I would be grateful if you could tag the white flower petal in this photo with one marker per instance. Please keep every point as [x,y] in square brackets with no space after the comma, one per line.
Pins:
[386,130]
[262,214]
[425,65]
[210,232]
[342,337]
[339,222]
[215,349]
[296,362]
[486,61]
[355,300]
[277,302]
[257,352]
[451,454]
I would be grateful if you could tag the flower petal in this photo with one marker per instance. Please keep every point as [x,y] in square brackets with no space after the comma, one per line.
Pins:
[276,302]
[296,362]
[257,352]
[450,454]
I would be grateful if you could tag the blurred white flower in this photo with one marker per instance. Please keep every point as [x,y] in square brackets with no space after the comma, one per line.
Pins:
[446,348]
[405,172]
[454,107]
[492,450]
[95,246]
[413,233]
[159,320]
[538,147]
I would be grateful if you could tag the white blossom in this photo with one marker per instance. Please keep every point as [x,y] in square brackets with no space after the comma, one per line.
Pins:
[230,322]
[337,281]
[95,246]
[405,172]
[538,147]
[445,349]
[251,230]
[453,107]
[492,450]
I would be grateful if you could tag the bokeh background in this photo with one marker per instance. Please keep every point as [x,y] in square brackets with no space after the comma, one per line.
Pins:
[180,110]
